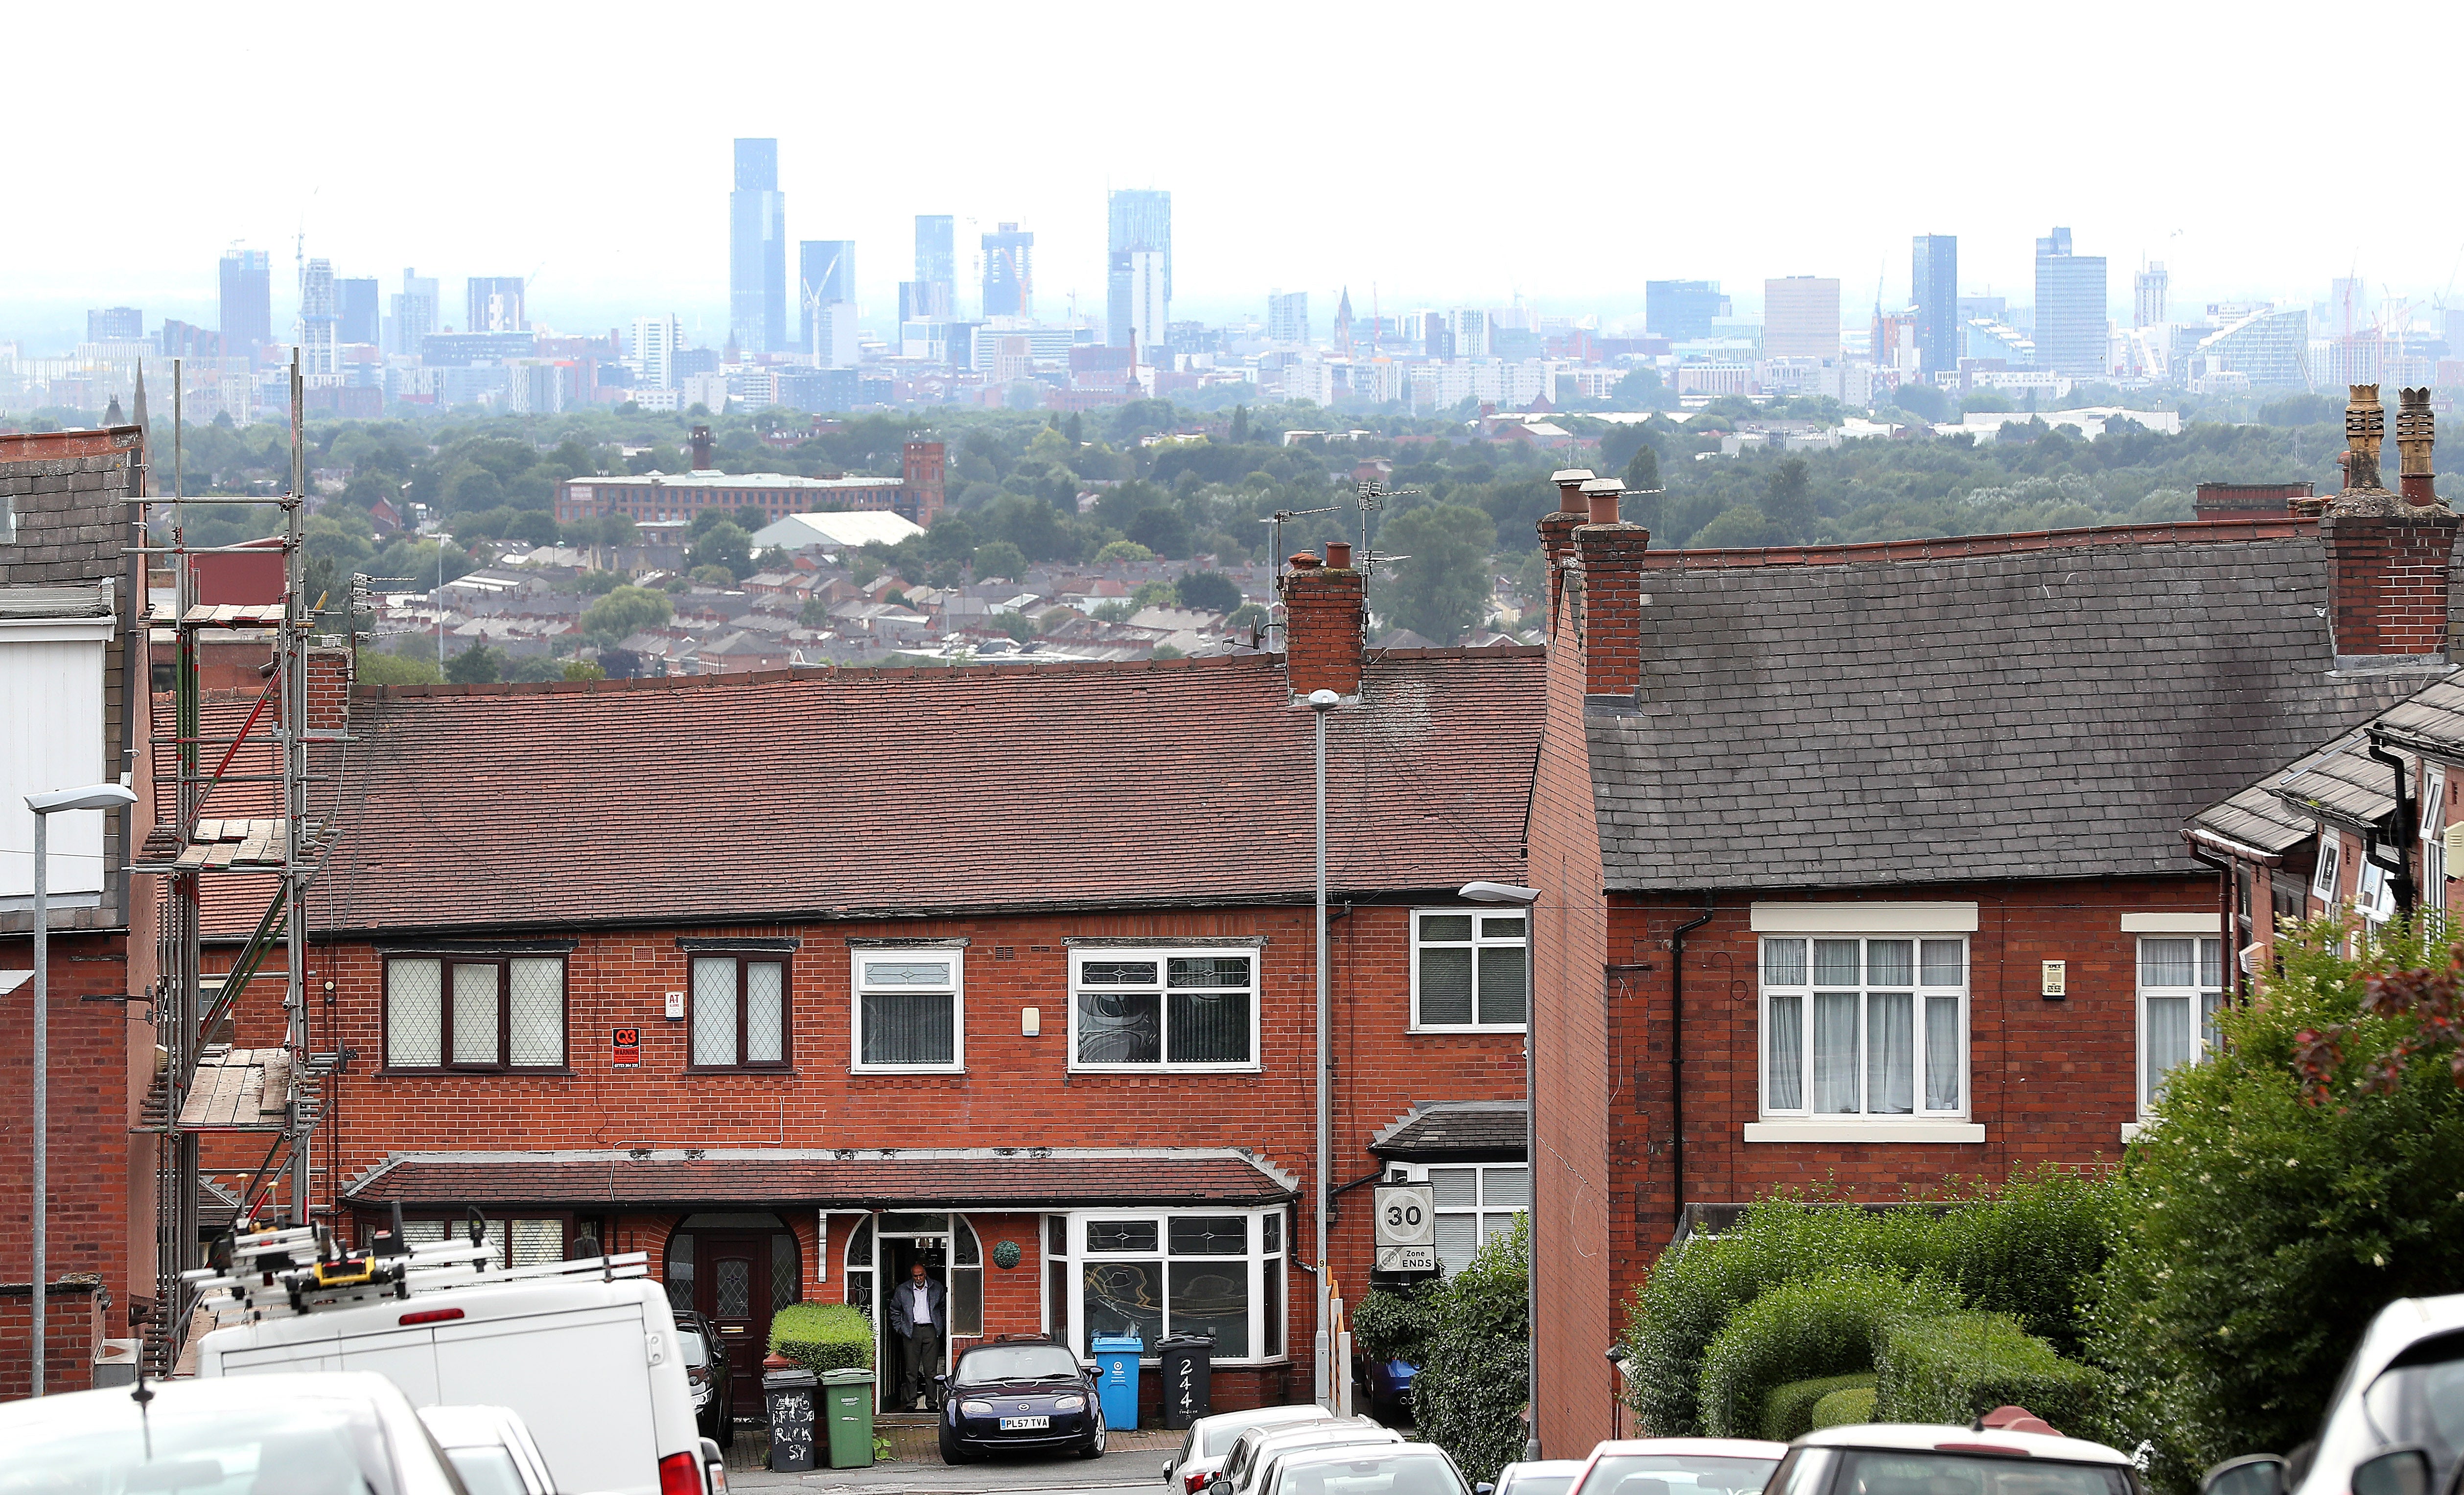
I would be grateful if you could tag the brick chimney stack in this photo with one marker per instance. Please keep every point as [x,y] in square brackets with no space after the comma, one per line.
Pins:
[1611,551]
[1557,530]
[1325,618]
[328,711]
[2387,555]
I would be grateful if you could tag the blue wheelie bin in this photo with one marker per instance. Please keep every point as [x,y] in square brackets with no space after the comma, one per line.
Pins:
[1116,1379]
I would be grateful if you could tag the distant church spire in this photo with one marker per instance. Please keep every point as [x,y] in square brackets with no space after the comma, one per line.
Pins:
[1343,324]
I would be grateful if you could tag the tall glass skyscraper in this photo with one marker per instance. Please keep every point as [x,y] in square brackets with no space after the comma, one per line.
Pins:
[1139,221]
[933,295]
[1009,272]
[757,250]
[1933,290]
[246,318]
[2069,308]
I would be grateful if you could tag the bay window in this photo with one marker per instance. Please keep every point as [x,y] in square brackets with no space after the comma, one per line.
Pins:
[1218,1274]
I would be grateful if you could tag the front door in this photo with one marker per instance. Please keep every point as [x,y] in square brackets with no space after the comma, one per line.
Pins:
[901,1254]
[733,1287]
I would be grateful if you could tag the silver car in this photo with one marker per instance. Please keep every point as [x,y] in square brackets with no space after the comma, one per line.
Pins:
[490,1447]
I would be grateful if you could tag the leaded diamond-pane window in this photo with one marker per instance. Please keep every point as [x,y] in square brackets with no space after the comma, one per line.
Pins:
[415,1014]
[537,1012]
[474,1012]
[740,1014]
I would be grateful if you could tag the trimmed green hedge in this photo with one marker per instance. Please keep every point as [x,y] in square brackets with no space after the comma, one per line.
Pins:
[1827,1325]
[1849,1404]
[1393,1323]
[1961,1366]
[1791,1411]
[2032,1248]
[1468,1396]
[822,1337]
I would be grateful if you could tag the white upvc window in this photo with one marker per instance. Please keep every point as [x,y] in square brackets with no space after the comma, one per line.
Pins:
[1190,1007]
[1865,1028]
[910,1010]
[2331,858]
[1467,971]
[2181,985]
[1216,1272]
[2433,839]
[1476,1203]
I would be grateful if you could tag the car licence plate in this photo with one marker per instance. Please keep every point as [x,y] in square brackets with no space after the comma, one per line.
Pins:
[1024,1424]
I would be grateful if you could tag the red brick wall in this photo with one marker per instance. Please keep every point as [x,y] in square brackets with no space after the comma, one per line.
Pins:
[1576,1088]
[2386,581]
[1611,644]
[2050,1080]
[74,1323]
[1018,1090]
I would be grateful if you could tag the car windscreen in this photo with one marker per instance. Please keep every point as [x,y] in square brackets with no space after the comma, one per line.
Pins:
[1373,1473]
[1918,1472]
[1675,1474]
[486,1471]
[301,1446]
[1015,1363]
[2419,1398]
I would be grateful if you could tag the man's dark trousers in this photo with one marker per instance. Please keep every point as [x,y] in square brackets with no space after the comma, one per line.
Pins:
[922,1352]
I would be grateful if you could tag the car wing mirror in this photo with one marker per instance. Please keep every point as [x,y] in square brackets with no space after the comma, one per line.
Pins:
[1484,1489]
[1220,1487]
[2251,1474]
[2399,1471]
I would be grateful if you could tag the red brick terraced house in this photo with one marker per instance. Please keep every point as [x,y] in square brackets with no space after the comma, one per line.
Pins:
[794,978]
[1865,866]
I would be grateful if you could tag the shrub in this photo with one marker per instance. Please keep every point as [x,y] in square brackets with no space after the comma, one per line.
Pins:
[1847,1405]
[1829,1325]
[1393,1323]
[822,1337]
[2273,1218]
[1788,1410]
[1470,1394]
[1960,1366]
[2032,1248]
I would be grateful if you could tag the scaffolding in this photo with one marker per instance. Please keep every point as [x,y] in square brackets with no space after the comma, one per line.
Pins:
[250,837]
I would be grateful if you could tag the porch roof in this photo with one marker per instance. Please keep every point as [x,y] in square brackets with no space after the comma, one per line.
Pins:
[834,1178]
[1456,1131]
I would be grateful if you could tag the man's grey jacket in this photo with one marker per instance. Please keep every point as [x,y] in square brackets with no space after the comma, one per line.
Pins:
[904,1293]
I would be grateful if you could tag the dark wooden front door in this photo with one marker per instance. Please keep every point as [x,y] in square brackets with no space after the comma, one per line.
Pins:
[732,1284]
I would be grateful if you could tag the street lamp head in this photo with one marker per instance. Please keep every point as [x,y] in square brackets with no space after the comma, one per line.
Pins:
[1500,892]
[93,797]
[1324,700]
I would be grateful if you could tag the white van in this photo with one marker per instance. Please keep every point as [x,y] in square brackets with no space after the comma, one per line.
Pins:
[589,1357]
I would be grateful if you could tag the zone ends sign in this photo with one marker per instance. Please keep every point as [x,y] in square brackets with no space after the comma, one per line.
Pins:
[1407,1227]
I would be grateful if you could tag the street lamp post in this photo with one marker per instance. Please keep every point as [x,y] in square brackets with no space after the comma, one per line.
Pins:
[1530,899]
[94,797]
[1320,702]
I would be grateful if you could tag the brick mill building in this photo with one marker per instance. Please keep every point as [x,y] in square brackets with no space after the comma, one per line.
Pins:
[1865,866]
[793,979]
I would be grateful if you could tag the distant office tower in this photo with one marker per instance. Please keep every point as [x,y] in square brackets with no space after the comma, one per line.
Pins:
[1430,331]
[1150,293]
[114,325]
[495,305]
[653,358]
[825,296]
[1933,292]
[1138,221]
[247,317]
[415,311]
[1287,316]
[757,250]
[1682,310]
[1010,273]
[933,295]
[1802,317]
[319,320]
[357,303]
[1469,331]
[187,340]
[2070,308]
[2147,296]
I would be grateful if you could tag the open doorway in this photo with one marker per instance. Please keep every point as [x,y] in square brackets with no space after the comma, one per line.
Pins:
[900,1256]
[882,1252]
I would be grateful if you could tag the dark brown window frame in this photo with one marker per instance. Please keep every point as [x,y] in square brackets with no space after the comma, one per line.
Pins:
[785,961]
[503,962]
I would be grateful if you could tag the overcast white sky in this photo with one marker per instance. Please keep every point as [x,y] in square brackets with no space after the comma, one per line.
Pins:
[1441,153]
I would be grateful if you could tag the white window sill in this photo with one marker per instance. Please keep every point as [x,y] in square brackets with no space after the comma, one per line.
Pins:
[2133,1130]
[1167,1069]
[1474,1028]
[1880,1133]
[907,1069]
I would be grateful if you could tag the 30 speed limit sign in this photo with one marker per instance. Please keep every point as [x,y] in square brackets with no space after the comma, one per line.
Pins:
[1407,1228]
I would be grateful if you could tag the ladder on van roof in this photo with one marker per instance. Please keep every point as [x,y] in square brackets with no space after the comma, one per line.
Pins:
[286,1273]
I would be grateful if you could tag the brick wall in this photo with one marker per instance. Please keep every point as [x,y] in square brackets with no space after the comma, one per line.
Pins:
[2388,580]
[329,690]
[1575,1090]
[2050,1080]
[1612,641]
[76,1314]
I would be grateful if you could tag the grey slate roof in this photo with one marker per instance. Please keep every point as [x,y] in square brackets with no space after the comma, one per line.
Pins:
[2430,723]
[2036,713]
[2341,783]
[1457,1132]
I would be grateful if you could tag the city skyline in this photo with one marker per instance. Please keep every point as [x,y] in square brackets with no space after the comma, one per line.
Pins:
[369,203]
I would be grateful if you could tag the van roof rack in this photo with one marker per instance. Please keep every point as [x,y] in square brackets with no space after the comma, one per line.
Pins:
[287,1272]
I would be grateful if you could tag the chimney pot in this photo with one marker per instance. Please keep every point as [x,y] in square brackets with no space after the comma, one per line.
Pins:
[1338,554]
[1601,494]
[2416,434]
[1570,482]
[1304,561]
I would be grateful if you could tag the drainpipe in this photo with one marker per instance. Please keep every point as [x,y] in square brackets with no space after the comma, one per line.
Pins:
[2407,832]
[1677,1048]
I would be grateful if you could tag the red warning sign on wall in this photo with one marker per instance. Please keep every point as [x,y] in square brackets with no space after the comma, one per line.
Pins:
[625,1044]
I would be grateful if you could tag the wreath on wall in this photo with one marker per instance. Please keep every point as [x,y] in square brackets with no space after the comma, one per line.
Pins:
[1006,1254]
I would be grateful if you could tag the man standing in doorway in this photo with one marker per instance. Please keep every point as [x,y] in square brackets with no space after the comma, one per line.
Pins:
[917,1319]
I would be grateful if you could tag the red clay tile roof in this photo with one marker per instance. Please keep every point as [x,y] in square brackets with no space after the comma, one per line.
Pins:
[848,1178]
[864,793]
